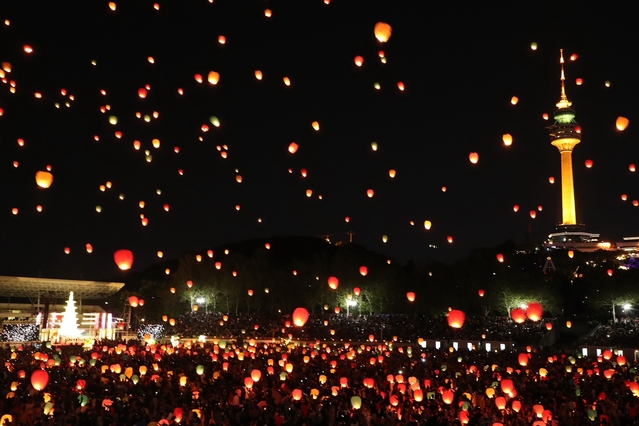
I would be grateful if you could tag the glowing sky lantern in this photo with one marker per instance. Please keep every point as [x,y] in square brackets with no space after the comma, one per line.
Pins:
[213,77]
[448,396]
[401,86]
[456,318]
[287,81]
[410,296]
[112,5]
[133,301]
[579,81]
[142,92]
[544,116]
[124,259]
[588,164]
[43,179]
[551,179]
[518,315]
[221,39]
[533,46]
[370,193]
[534,311]
[533,214]
[358,61]
[473,157]
[481,292]
[363,270]
[632,168]
[258,74]
[514,100]
[293,147]
[357,291]
[383,32]
[39,379]
[300,316]
[449,239]
[333,282]
[427,224]
[622,123]
[198,78]
[507,138]
[516,208]
[315,125]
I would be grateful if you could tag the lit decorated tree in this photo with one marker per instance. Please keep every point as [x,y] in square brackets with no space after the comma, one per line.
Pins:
[69,325]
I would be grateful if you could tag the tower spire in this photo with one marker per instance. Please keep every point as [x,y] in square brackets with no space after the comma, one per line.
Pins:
[563,102]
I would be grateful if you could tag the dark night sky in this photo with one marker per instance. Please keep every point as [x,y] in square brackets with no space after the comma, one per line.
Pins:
[460,65]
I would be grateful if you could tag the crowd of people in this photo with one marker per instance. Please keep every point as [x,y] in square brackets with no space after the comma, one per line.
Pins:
[623,334]
[359,328]
[280,383]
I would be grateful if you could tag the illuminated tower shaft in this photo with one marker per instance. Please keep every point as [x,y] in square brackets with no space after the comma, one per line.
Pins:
[565,134]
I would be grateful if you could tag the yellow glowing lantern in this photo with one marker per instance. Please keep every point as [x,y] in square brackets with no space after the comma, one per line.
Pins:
[43,179]
[213,77]
[508,139]
[514,100]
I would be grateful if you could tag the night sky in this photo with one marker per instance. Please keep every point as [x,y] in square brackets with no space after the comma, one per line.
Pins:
[460,66]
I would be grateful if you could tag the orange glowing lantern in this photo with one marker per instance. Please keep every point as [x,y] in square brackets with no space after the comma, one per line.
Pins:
[133,301]
[456,318]
[43,179]
[500,402]
[473,157]
[588,163]
[500,258]
[448,396]
[300,316]
[622,123]
[363,270]
[124,259]
[333,282]
[39,379]
[383,32]
[534,311]
[410,296]
[518,315]
[481,292]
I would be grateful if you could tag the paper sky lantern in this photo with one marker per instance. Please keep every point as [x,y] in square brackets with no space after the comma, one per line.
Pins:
[579,81]
[39,379]
[410,296]
[622,123]
[356,402]
[481,292]
[256,375]
[133,301]
[293,147]
[297,394]
[568,324]
[358,60]
[507,386]
[448,396]
[548,326]
[427,224]
[516,208]
[518,315]
[383,32]
[300,316]
[473,157]
[534,311]
[500,258]
[363,270]
[632,168]
[500,402]
[213,77]
[456,318]
[522,358]
[588,163]
[370,193]
[507,138]
[124,259]
[258,74]
[514,100]
[333,283]
[43,179]
[533,214]
[449,239]
[516,406]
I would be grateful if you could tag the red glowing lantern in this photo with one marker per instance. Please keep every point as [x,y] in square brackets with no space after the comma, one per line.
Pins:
[516,406]
[357,291]
[481,292]
[124,259]
[300,316]
[609,271]
[142,92]
[500,402]
[456,318]
[189,283]
[363,270]
[133,301]
[359,61]
[534,311]
[548,326]
[39,379]
[588,164]
[522,358]
[500,258]
[473,157]
[518,315]
[250,292]
[448,396]
[297,394]
[333,283]
[410,296]
[507,386]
